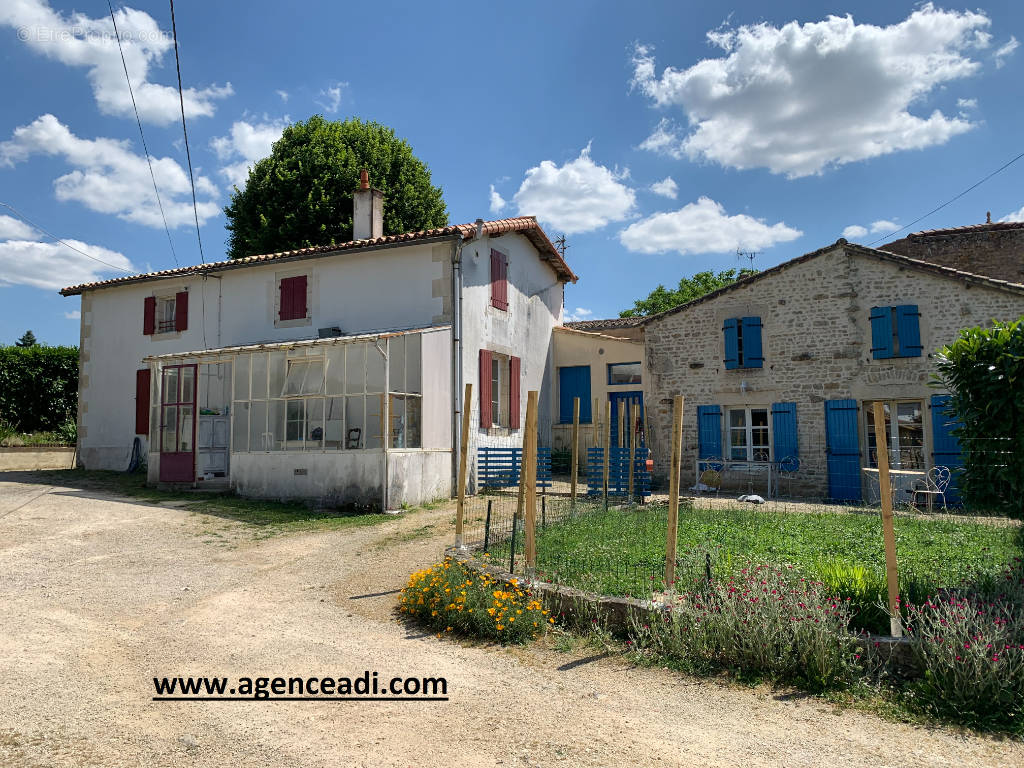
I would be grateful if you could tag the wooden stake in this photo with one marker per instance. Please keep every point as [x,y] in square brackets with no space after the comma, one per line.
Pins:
[607,438]
[622,424]
[888,528]
[575,448]
[632,452]
[672,529]
[463,453]
[596,419]
[530,470]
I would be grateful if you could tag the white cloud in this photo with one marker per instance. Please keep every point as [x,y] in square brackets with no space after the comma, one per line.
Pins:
[54,266]
[703,227]
[73,315]
[497,201]
[284,95]
[330,97]
[15,229]
[79,41]
[854,232]
[967,103]
[667,187]
[110,178]
[883,225]
[580,196]
[247,143]
[801,98]
[579,314]
[1004,51]
[1015,216]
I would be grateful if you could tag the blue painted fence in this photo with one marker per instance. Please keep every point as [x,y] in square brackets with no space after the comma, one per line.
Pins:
[618,473]
[499,467]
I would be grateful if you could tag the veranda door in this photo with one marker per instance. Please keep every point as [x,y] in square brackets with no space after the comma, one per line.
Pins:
[178,424]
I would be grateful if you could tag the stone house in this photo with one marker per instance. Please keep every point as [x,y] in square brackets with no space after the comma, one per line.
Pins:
[779,370]
[332,372]
[995,249]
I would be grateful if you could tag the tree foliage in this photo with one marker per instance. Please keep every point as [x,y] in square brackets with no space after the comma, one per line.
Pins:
[301,195]
[38,386]
[689,288]
[984,371]
[28,339]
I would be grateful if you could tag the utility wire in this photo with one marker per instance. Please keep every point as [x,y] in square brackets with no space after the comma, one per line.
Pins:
[32,224]
[976,184]
[145,149]
[184,130]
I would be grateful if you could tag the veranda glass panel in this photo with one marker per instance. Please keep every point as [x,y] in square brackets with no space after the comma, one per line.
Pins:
[259,376]
[241,374]
[336,370]
[258,426]
[240,428]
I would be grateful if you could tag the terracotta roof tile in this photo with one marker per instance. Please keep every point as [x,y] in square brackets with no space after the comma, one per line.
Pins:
[994,226]
[527,225]
[612,322]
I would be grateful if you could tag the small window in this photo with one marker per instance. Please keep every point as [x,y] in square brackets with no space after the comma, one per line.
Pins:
[905,438]
[292,298]
[624,373]
[895,332]
[499,280]
[749,435]
[165,315]
[743,347]
[305,377]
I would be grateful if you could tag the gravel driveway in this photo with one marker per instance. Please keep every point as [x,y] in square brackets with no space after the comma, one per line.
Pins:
[98,595]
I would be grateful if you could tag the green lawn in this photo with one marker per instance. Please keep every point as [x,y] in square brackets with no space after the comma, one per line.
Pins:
[269,516]
[621,551]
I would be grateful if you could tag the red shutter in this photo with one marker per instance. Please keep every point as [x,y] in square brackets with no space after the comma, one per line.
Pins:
[499,280]
[285,290]
[149,316]
[181,311]
[514,374]
[485,389]
[293,298]
[142,402]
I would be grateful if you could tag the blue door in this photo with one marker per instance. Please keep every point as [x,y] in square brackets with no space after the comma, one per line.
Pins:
[573,382]
[945,446]
[634,408]
[843,449]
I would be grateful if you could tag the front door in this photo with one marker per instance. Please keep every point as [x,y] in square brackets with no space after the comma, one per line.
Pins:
[178,424]
[633,412]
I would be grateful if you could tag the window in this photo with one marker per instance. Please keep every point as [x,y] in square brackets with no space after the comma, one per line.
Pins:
[499,280]
[749,438]
[573,382]
[499,390]
[905,436]
[292,303]
[165,315]
[895,332]
[624,373]
[743,348]
[405,404]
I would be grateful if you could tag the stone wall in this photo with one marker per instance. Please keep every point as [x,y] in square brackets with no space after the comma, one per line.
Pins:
[817,346]
[996,251]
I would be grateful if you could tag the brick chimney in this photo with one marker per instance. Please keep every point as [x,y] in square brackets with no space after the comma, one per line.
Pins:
[367,210]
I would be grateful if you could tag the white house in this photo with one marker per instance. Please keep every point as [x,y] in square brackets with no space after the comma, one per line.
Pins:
[334,372]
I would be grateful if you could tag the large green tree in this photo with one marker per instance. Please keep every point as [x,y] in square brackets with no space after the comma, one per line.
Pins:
[301,195]
[689,288]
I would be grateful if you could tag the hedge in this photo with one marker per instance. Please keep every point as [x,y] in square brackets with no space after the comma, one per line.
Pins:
[38,387]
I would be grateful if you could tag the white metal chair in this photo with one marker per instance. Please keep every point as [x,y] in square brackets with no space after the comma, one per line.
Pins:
[936,482]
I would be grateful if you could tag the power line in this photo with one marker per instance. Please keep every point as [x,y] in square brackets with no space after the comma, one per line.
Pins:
[145,149]
[184,130]
[32,224]
[976,184]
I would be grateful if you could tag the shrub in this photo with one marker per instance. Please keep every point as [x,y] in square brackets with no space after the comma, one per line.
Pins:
[764,623]
[38,386]
[450,597]
[971,648]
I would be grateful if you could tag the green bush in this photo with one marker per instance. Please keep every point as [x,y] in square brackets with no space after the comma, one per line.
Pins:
[38,387]
[765,623]
[984,371]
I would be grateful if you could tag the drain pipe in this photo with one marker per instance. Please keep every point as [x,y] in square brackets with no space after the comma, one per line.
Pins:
[457,384]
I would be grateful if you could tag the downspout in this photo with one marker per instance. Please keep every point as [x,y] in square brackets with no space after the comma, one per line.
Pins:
[386,425]
[457,384]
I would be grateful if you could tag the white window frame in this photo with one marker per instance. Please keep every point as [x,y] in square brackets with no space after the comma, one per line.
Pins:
[748,430]
[165,305]
[500,391]
[893,442]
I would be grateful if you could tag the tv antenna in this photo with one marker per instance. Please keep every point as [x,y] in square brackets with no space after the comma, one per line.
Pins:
[748,255]
[561,245]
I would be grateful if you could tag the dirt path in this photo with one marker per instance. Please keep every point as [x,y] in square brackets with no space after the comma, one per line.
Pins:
[98,595]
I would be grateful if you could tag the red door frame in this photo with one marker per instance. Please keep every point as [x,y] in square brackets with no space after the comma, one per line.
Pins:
[178,466]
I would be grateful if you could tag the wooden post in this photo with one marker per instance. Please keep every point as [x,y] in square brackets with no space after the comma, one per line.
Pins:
[596,419]
[575,448]
[607,440]
[460,515]
[622,424]
[530,470]
[632,452]
[672,529]
[888,528]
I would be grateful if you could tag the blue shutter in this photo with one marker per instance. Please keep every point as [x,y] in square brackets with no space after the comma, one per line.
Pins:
[752,354]
[908,330]
[573,382]
[945,446]
[709,431]
[881,332]
[732,343]
[843,450]
[784,436]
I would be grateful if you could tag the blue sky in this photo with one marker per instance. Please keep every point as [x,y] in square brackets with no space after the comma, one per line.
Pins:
[659,139]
